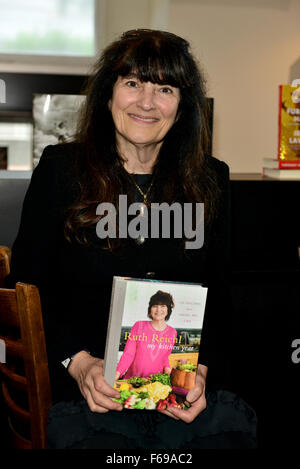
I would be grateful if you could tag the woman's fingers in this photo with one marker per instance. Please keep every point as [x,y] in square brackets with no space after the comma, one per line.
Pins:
[189,415]
[92,404]
[169,414]
[99,394]
[88,372]
[103,399]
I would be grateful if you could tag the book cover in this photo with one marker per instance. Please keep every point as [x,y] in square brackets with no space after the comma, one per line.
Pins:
[153,341]
[55,119]
[289,127]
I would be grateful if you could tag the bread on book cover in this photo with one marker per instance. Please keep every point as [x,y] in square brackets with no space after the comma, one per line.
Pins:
[153,341]
[289,127]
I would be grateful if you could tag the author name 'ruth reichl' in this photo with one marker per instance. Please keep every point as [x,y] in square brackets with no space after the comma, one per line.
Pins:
[155,338]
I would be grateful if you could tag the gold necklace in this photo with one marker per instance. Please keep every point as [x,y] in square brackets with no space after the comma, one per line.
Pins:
[143,194]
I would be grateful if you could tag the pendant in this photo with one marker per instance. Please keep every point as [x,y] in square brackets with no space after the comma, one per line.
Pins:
[140,240]
[142,210]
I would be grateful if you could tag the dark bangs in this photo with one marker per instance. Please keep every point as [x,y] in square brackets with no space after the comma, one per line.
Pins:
[155,60]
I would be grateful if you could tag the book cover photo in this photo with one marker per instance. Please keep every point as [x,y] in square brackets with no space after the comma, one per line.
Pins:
[153,341]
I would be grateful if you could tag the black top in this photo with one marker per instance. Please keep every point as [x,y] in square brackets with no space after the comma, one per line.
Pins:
[75,280]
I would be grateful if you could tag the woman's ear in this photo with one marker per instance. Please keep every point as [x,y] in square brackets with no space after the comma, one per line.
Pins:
[109,105]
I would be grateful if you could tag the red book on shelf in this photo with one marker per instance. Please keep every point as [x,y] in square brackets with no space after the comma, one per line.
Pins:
[289,127]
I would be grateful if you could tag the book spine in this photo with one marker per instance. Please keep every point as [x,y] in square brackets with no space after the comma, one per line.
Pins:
[114,329]
[279,123]
[289,164]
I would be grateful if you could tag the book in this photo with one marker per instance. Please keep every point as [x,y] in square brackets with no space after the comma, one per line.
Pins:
[275,163]
[153,341]
[55,118]
[282,173]
[289,126]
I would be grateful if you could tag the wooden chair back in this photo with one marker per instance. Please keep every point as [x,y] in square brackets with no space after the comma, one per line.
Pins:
[25,375]
[5,255]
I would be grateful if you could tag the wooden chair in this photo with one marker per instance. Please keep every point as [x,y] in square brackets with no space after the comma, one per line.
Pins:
[25,375]
[5,255]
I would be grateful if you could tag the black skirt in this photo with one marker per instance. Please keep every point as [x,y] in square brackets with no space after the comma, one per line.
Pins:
[227,422]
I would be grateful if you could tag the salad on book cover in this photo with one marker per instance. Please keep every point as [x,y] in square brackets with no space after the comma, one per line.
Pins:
[153,341]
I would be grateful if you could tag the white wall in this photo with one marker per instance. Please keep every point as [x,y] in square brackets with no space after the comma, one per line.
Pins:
[247,48]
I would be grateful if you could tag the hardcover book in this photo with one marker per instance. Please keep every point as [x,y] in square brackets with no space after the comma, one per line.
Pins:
[291,174]
[289,127]
[153,341]
[271,163]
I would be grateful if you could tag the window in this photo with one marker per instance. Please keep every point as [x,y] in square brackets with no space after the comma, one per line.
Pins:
[48,27]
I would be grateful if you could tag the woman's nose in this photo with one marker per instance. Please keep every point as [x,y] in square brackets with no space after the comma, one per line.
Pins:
[147,98]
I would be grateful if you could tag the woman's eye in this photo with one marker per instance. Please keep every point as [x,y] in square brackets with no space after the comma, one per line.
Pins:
[166,90]
[132,83]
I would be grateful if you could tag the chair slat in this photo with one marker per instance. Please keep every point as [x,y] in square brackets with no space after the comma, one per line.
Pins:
[21,413]
[8,308]
[13,347]
[16,380]
[18,441]
[5,256]
[20,309]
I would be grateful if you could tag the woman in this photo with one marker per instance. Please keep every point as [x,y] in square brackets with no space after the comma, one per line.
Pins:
[138,359]
[143,133]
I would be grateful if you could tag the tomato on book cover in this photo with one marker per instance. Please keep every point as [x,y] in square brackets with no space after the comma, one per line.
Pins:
[154,336]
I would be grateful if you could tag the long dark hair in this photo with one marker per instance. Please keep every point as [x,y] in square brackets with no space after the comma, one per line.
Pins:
[181,169]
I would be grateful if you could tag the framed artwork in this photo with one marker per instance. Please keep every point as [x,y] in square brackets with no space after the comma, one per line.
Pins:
[55,118]
[20,89]
[16,146]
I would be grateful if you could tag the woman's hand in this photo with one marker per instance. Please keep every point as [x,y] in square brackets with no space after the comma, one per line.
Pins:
[196,397]
[88,372]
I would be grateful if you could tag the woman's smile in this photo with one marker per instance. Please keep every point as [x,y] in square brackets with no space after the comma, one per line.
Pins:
[143,119]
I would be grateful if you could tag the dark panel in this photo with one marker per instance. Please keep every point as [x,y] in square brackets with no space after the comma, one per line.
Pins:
[21,86]
[265,224]
[12,192]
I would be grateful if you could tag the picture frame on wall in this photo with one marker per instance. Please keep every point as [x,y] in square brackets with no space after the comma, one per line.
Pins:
[55,118]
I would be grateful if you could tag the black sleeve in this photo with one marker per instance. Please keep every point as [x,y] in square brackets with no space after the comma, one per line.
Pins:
[216,341]
[35,252]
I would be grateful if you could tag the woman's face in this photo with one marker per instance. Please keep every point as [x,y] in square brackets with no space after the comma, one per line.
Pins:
[143,112]
[159,312]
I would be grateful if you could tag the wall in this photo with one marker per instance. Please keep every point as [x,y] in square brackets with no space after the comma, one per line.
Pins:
[247,48]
